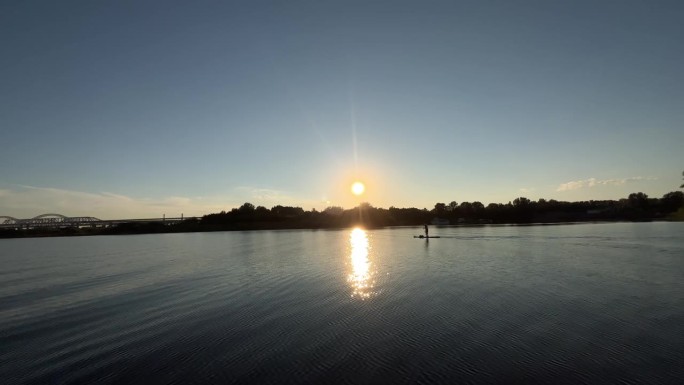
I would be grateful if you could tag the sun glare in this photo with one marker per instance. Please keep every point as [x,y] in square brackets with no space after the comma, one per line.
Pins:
[358,188]
[361,277]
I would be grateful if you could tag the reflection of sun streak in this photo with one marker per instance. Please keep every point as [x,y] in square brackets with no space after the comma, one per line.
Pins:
[360,277]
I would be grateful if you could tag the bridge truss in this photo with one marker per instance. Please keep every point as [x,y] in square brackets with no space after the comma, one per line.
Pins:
[48,220]
[61,221]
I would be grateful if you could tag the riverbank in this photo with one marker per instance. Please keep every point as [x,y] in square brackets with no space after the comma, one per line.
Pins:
[194,227]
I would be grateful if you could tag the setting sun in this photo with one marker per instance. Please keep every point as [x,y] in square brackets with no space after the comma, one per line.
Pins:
[358,188]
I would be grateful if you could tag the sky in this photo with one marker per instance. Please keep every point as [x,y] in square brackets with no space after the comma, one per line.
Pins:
[137,109]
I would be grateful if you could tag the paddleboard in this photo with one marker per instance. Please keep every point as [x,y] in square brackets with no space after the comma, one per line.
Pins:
[423,236]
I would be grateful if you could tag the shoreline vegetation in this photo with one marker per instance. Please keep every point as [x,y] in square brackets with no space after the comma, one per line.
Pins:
[636,207]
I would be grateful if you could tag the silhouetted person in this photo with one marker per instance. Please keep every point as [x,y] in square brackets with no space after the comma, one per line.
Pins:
[426,230]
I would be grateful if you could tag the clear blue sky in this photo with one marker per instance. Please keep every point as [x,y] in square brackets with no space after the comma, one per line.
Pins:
[144,108]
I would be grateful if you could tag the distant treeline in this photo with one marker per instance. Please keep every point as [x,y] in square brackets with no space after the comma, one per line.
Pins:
[636,207]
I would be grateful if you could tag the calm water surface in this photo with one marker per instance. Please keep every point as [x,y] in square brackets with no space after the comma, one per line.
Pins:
[590,303]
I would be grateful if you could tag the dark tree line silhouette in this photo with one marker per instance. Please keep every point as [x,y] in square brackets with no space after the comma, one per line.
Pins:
[636,207]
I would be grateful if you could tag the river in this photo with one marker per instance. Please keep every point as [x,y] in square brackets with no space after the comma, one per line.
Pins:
[584,303]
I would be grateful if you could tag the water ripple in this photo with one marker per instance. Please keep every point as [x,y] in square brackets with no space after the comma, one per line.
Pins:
[549,305]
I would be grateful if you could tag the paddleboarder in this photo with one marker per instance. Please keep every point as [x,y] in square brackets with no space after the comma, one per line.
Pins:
[426,230]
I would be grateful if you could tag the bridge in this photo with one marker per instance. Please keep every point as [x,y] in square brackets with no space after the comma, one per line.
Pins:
[61,221]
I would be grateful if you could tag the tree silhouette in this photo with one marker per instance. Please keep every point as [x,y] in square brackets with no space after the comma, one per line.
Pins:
[635,207]
[247,208]
[672,201]
[440,209]
[521,202]
[333,210]
[638,200]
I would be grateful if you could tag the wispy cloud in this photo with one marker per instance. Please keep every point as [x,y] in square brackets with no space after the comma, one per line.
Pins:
[29,201]
[271,197]
[525,190]
[263,194]
[592,182]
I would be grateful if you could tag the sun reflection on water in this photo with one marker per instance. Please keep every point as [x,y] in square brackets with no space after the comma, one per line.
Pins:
[361,276]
